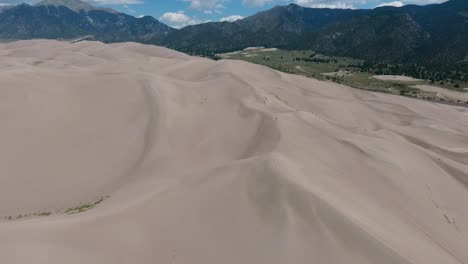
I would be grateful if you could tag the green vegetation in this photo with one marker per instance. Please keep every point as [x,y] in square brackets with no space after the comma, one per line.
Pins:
[351,72]
[74,210]
[445,78]
[47,21]
[43,214]
[300,62]
[20,216]
[84,207]
[424,42]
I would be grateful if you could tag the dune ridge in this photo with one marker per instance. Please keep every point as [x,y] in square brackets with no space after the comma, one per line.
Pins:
[219,162]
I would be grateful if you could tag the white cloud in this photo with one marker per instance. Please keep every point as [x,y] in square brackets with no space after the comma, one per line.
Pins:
[424,2]
[98,2]
[115,2]
[344,4]
[216,6]
[255,3]
[231,18]
[179,19]
[13,2]
[394,3]
[353,3]
[204,5]
[174,18]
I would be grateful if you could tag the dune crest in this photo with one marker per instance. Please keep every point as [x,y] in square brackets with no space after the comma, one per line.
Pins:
[219,162]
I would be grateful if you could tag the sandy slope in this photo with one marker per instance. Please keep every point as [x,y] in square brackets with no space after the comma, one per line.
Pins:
[400,78]
[219,162]
[444,93]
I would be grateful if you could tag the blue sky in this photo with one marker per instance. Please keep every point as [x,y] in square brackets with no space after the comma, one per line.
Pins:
[179,13]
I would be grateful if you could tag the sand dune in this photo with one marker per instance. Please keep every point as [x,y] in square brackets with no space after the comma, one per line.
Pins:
[219,162]
[444,93]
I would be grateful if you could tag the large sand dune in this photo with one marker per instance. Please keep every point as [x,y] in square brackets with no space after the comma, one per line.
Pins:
[221,162]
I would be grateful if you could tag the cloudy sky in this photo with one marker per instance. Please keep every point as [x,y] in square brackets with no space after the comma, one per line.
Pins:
[179,13]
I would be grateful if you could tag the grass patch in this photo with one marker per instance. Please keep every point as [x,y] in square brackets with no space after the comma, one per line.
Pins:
[85,207]
[73,210]
[43,214]
[21,216]
[311,64]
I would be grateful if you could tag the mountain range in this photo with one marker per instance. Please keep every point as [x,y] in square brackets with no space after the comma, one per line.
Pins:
[433,35]
[67,19]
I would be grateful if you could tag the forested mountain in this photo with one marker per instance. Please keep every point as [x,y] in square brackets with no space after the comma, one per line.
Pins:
[436,33]
[64,19]
[281,26]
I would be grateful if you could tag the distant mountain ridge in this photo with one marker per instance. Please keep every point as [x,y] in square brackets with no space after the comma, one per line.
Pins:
[439,31]
[64,19]
[75,5]
[435,32]
[279,27]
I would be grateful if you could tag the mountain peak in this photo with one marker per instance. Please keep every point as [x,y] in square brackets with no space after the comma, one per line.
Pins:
[294,5]
[75,5]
